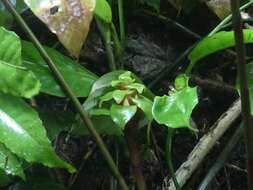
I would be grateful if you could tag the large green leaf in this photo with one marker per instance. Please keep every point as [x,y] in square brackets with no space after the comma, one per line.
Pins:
[103,11]
[10,47]
[14,78]
[79,78]
[104,125]
[9,163]
[22,133]
[145,105]
[216,42]
[18,81]
[175,110]
[121,115]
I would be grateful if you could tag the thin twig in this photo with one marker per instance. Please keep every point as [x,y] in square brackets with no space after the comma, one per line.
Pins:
[244,91]
[66,88]
[223,157]
[204,146]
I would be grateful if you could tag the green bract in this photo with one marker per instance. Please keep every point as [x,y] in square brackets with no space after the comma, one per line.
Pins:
[114,100]
[175,109]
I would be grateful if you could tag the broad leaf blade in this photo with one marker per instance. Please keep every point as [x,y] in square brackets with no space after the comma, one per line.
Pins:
[18,81]
[175,110]
[79,78]
[103,11]
[121,115]
[145,105]
[10,47]
[215,43]
[22,132]
[69,20]
[9,163]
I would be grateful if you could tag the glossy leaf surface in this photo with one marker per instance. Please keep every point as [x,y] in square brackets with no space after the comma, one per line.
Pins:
[23,134]
[121,115]
[9,163]
[18,81]
[175,110]
[14,78]
[145,105]
[103,11]
[215,43]
[10,47]
[68,19]
[79,78]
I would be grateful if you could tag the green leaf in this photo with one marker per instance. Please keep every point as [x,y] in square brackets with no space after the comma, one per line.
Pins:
[9,163]
[100,111]
[23,134]
[103,11]
[79,78]
[14,78]
[18,81]
[175,110]
[181,82]
[119,95]
[215,43]
[10,47]
[145,105]
[103,124]
[121,115]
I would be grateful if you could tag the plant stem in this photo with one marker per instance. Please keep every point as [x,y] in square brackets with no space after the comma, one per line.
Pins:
[116,41]
[244,91]
[66,88]
[169,158]
[227,19]
[131,136]
[105,32]
[121,23]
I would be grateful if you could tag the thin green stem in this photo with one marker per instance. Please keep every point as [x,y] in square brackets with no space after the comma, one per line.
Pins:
[121,23]
[244,90]
[227,19]
[105,32]
[116,41]
[169,158]
[66,88]
[149,133]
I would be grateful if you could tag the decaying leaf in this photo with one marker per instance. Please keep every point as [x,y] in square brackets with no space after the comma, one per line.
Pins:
[220,7]
[68,19]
